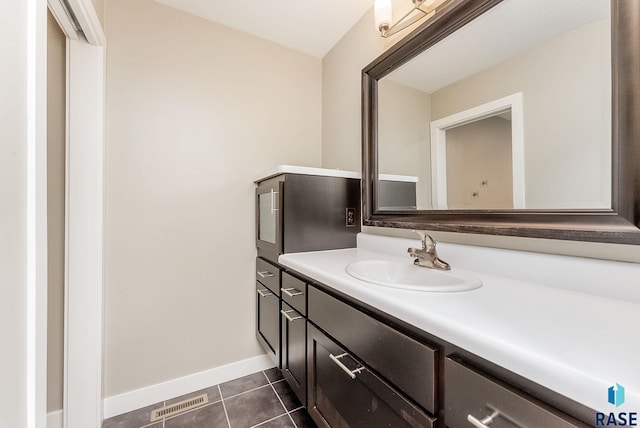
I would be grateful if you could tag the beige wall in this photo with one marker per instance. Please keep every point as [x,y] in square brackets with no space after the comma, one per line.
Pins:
[341,82]
[194,111]
[341,137]
[557,129]
[13,229]
[98,5]
[404,136]
[56,107]
[482,150]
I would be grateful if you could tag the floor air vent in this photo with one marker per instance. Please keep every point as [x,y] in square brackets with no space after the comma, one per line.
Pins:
[180,407]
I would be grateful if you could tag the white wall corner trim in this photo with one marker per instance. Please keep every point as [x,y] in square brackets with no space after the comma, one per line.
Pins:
[84,222]
[149,395]
[36,274]
[55,419]
[84,211]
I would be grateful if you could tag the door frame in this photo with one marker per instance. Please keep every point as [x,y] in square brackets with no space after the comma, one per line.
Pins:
[514,103]
[84,225]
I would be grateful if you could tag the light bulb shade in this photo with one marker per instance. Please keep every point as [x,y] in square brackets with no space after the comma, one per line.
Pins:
[382,10]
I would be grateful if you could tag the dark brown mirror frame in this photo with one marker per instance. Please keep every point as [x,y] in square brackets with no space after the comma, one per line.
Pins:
[617,225]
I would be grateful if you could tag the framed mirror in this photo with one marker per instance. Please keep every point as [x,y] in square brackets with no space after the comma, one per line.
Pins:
[508,117]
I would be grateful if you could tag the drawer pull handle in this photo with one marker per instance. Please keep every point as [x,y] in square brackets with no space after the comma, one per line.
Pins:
[352,373]
[265,293]
[288,292]
[289,317]
[482,423]
[266,274]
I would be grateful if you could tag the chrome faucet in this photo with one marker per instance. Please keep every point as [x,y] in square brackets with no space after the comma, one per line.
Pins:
[428,256]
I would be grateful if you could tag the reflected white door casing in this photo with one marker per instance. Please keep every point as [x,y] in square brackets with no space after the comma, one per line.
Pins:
[439,146]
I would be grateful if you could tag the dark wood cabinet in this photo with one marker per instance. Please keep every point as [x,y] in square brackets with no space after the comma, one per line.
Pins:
[268,274]
[403,361]
[476,399]
[343,392]
[294,292]
[268,308]
[281,323]
[268,318]
[294,351]
[353,366]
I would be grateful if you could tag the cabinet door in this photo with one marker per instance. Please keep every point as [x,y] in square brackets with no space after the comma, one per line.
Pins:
[269,219]
[268,321]
[475,399]
[294,351]
[343,393]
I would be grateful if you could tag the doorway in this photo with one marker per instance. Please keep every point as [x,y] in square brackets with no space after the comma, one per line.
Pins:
[509,107]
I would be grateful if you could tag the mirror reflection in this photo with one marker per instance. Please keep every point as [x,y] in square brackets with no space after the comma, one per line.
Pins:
[512,111]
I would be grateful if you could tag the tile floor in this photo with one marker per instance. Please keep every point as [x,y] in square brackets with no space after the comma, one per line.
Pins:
[261,399]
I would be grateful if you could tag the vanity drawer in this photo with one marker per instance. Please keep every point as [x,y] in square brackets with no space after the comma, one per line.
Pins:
[471,398]
[268,275]
[344,393]
[403,361]
[294,292]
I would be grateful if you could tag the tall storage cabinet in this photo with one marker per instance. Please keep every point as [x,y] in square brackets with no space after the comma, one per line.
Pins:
[297,210]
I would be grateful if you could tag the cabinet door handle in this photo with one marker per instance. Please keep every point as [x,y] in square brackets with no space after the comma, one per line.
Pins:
[288,292]
[273,201]
[266,274]
[265,293]
[352,373]
[289,317]
[484,423]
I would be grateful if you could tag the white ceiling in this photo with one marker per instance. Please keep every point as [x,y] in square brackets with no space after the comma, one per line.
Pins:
[310,26]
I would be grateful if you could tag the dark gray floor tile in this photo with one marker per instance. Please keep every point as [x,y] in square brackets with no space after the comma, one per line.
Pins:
[274,374]
[287,396]
[213,395]
[253,407]
[135,419]
[243,384]
[210,416]
[302,419]
[154,425]
[281,422]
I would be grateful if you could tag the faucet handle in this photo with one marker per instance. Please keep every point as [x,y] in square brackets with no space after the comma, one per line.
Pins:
[428,243]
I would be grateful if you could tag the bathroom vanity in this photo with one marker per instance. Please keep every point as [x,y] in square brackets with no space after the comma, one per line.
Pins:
[545,341]
[510,353]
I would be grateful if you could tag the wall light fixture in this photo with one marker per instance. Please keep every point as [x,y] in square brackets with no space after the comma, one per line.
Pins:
[421,9]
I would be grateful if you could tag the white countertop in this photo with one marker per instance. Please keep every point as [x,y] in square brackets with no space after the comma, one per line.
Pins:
[325,172]
[395,177]
[575,343]
[305,170]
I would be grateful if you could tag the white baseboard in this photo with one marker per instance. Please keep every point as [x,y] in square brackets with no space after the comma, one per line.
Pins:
[123,403]
[55,419]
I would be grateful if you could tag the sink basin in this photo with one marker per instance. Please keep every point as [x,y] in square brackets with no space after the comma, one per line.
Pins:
[411,277]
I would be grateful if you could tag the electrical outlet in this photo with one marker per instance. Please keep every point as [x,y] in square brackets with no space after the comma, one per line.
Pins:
[350,217]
